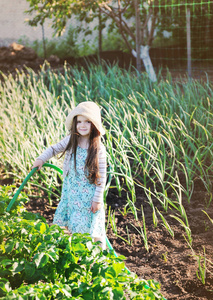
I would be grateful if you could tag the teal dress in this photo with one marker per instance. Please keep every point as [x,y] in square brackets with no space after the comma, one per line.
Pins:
[74,209]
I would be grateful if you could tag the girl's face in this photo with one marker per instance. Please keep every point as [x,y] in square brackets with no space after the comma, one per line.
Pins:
[83,126]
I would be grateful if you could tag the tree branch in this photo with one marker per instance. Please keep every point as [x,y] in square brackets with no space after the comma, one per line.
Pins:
[119,12]
[109,11]
[123,25]
[120,9]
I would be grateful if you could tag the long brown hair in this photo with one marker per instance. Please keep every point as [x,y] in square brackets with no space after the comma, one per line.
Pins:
[91,165]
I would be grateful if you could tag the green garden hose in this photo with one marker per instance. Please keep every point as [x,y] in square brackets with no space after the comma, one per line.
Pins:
[26,180]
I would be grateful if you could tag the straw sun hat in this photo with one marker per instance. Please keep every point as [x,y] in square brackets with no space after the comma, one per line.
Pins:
[89,110]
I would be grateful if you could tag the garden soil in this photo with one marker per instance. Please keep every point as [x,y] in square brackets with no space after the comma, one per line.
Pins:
[168,260]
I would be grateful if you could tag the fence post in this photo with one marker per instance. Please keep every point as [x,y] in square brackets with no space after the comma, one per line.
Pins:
[188,36]
[44,42]
[138,23]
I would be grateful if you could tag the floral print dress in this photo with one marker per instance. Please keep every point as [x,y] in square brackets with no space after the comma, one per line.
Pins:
[74,209]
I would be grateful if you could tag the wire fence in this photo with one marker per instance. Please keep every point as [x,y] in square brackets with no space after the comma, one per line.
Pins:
[184,37]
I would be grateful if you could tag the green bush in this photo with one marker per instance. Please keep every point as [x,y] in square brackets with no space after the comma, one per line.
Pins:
[113,41]
[68,45]
[61,47]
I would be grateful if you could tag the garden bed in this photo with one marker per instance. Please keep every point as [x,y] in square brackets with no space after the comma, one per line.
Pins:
[169,261]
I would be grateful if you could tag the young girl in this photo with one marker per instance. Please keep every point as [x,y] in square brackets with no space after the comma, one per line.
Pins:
[81,208]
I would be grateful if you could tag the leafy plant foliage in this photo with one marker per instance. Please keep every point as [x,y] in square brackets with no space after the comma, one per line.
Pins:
[39,261]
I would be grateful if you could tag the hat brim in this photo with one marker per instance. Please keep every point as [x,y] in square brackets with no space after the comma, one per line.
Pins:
[96,119]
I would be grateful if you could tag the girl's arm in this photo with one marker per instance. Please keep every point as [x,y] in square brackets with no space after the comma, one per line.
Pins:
[50,152]
[99,191]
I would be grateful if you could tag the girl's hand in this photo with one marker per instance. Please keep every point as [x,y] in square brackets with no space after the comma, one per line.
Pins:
[95,206]
[38,163]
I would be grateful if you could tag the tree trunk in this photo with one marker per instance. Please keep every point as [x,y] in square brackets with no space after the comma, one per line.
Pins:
[141,51]
[144,55]
[100,34]
[44,42]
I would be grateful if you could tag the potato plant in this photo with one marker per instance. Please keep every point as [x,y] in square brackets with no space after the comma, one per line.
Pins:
[39,261]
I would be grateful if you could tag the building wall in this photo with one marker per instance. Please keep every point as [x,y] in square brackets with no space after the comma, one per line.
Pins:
[13,26]
[12,23]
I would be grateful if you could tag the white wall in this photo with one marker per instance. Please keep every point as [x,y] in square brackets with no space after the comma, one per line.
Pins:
[13,26]
[12,23]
